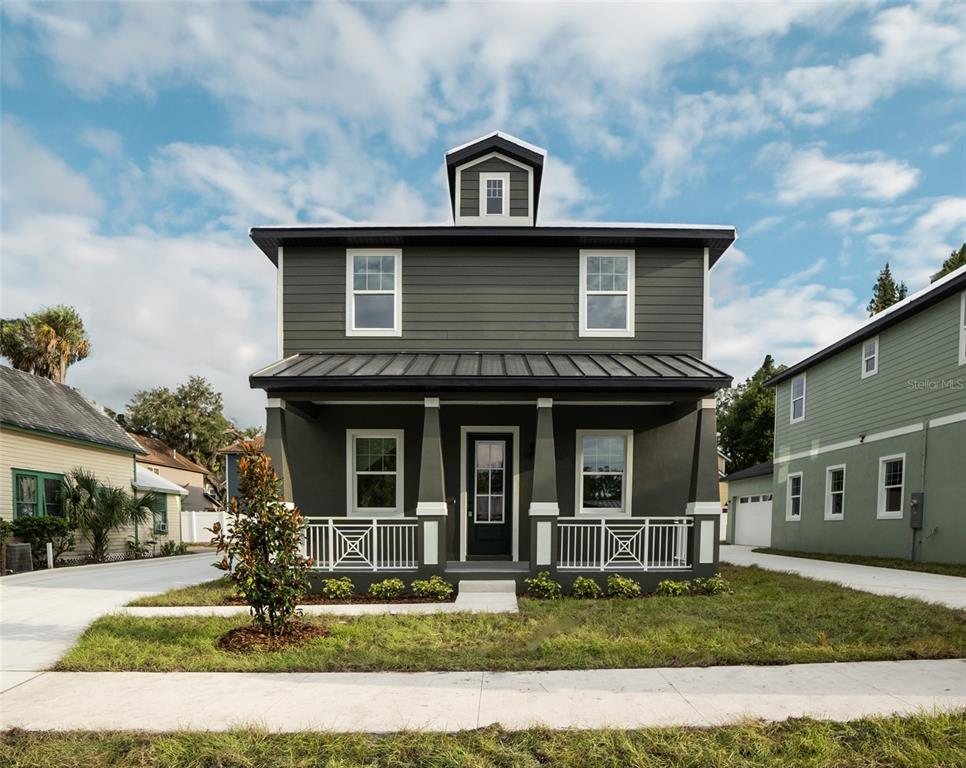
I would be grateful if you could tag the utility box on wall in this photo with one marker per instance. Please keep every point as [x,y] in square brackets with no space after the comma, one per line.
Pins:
[915,510]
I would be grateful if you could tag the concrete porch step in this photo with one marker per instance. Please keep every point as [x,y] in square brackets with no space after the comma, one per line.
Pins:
[494,586]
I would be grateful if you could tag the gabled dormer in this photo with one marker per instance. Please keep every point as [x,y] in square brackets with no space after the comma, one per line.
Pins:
[495,181]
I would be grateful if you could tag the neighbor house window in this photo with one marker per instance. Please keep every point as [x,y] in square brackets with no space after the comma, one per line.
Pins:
[962,329]
[891,484]
[494,194]
[606,293]
[870,357]
[373,292]
[375,463]
[798,398]
[793,507]
[159,513]
[36,494]
[835,493]
[604,468]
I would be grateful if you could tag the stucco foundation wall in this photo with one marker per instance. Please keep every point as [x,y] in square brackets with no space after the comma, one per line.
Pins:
[749,486]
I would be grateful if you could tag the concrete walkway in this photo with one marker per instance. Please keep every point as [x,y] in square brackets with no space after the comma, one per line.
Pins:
[42,613]
[451,701]
[930,587]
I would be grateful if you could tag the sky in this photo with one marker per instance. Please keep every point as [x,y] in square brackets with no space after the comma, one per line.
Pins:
[141,141]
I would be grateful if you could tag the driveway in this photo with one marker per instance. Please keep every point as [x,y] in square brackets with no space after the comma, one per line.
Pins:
[930,587]
[43,613]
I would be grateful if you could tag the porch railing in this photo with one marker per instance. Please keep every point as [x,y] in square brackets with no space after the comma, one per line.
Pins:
[635,544]
[353,544]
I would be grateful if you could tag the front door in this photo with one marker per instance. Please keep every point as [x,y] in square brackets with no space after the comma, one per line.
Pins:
[489,504]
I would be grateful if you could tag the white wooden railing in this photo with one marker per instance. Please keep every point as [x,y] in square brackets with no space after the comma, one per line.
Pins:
[626,544]
[357,544]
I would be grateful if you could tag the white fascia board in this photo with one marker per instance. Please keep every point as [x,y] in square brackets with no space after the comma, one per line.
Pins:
[502,135]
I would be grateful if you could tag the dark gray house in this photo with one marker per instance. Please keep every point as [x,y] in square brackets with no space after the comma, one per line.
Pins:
[497,395]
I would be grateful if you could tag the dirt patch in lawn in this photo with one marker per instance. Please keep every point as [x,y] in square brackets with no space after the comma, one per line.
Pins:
[252,639]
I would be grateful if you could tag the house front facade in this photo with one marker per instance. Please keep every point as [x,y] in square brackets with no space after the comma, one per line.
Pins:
[870,436]
[497,396]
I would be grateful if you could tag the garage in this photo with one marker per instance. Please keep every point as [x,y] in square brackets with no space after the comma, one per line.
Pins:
[750,493]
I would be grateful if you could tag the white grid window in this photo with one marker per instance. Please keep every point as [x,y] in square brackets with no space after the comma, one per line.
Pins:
[494,196]
[374,461]
[835,493]
[373,292]
[607,293]
[793,507]
[603,471]
[870,357]
[891,485]
[798,399]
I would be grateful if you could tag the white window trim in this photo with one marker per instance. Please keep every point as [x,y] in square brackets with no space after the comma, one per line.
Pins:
[350,306]
[505,178]
[791,399]
[627,332]
[962,328]
[352,508]
[828,492]
[866,374]
[880,512]
[493,219]
[789,517]
[628,483]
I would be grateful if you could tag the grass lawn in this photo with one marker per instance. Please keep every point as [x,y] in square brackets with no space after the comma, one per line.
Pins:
[207,593]
[915,742]
[771,618]
[946,569]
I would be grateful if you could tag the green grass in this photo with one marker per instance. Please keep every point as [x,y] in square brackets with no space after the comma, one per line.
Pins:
[208,593]
[936,741]
[946,569]
[771,618]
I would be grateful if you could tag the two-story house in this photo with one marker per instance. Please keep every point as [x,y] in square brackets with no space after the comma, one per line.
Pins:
[870,436]
[497,395]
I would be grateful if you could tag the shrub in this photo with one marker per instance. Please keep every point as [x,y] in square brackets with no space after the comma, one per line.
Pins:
[435,587]
[671,588]
[138,550]
[586,589]
[387,589]
[622,587]
[173,548]
[37,531]
[715,585]
[543,586]
[262,548]
[338,589]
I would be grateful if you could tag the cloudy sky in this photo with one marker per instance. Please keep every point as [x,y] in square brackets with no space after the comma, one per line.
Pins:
[140,141]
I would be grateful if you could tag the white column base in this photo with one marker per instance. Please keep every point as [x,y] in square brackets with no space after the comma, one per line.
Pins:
[433,508]
[703,508]
[544,509]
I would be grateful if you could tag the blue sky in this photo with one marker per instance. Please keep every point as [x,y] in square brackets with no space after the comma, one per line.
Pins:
[142,140]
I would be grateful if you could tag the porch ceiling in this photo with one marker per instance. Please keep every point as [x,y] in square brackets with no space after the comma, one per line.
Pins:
[490,371]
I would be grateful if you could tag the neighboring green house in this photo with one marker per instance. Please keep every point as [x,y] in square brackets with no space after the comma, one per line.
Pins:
[870,436]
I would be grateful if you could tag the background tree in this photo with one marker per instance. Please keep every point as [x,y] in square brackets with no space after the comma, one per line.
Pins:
[746,418]
[45,343]
[885,292]
[956,260]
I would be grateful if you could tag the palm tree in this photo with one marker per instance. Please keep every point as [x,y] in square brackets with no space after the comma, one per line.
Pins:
[96,509]
[46,342]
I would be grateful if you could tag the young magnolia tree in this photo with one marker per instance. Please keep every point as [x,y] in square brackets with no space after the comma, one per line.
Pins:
[262,550]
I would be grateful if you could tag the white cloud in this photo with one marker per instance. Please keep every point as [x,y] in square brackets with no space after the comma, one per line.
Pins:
[809,173]
[104,141]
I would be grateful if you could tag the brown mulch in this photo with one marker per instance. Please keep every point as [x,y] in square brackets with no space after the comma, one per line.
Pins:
[252,639]
[320,600]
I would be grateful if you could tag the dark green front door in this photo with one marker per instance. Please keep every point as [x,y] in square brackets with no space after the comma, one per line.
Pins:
[489,485]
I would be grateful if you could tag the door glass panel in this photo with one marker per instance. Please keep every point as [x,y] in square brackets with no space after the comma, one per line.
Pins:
[488,506]
[26,500]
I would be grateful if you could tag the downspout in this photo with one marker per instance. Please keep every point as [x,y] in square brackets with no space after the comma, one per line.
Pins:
[922,483]
[136,541]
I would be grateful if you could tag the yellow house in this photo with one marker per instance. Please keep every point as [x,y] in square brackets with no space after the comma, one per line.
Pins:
[47,430]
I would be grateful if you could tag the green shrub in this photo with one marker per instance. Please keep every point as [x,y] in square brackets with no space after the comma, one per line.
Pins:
[338,589]
[715,585]
[622,587]
[671,588]
[37,531]
[138,550]
[387,589]
[435,587]
[170,548]
[586,589]
[543,586]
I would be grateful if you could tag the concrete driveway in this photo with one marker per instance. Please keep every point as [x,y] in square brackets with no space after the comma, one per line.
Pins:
[43,613]
[930,587]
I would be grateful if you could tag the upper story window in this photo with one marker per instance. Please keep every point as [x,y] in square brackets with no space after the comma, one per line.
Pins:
[495,194]
[962,329]
[606,293]
[870,357]
[373,292]
[798,399]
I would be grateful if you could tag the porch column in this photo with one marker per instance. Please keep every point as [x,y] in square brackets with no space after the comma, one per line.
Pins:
[544,509]
[704,502]
[276,443]
[431,506]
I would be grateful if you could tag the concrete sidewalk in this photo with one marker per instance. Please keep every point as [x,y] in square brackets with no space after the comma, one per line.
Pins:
[451,701]
[930,587]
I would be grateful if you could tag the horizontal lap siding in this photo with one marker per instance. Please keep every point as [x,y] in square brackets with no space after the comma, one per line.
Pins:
[479,299]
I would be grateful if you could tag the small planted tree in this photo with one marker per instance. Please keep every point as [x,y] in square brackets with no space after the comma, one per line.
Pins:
[97,509]
[262,550]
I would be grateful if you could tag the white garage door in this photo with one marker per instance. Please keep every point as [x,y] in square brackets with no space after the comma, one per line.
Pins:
[753,520]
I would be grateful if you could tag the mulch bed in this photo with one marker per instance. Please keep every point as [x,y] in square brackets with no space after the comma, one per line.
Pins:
[320,600]
[252,639]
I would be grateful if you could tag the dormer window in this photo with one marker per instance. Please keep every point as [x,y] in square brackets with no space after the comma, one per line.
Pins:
[493,189]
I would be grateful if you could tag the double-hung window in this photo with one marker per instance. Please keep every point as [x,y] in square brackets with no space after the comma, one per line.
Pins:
[870,357]
[373,292]
[835,492]
[375,463]
[606,293]
[891,485]
[604,460]
[159,513]
[494,194]
[798,399]
[36,494]
[793,502]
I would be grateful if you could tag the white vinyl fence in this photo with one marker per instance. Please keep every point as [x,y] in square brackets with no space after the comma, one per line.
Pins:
[194,523]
